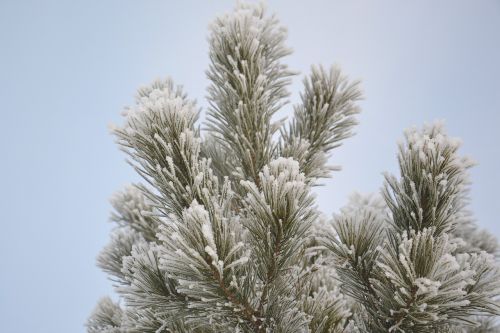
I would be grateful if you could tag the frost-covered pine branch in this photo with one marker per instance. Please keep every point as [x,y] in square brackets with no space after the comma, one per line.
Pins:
[248,85]
[323,119]
[403,263]
[224,235]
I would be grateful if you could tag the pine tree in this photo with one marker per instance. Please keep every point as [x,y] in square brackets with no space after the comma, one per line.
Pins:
[225,236]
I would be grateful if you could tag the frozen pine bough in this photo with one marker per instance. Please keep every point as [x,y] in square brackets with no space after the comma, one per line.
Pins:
[224,234]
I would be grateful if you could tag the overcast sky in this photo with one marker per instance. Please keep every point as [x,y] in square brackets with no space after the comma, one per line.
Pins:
[67,68]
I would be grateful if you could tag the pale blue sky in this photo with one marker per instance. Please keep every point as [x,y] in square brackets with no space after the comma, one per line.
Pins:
[68,67]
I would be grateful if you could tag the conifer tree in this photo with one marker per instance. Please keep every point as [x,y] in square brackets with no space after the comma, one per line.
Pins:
[224,234]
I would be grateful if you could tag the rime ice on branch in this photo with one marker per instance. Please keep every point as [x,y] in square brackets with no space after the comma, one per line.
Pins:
[224,234]
[408,267]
